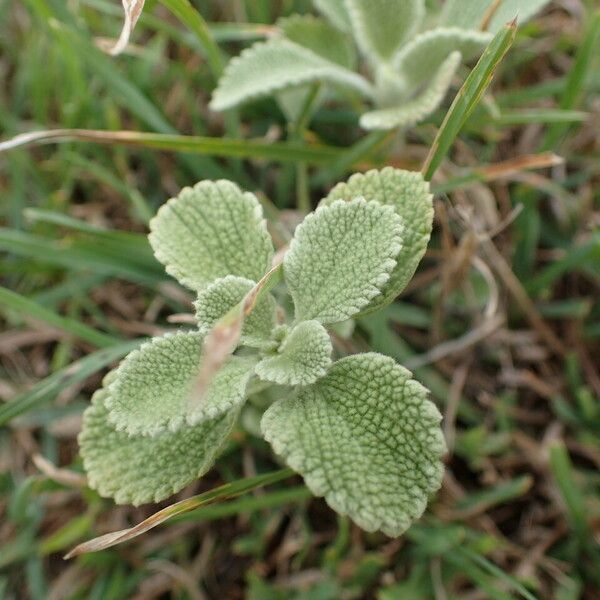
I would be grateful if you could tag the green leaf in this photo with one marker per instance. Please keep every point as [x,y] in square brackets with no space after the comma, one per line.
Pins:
[412,111]
[319,37]
[303,356]
[225,293]
[425,53]
[278,64]
[153,389]
[366,438]
[467,98]
[139,469]
[408,193]
[335,11]
[469,15]
[382,26]
[340,258]
[210,231]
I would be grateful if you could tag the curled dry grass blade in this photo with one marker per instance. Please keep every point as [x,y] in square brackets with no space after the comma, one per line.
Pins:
[133,10]
[229,490]
[225,335]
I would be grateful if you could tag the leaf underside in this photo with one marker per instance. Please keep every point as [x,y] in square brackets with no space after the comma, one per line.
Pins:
[320,37]
[382,26]
[413,111]
[366,438]
[408,193]
[425,53]
[210,231]
[303,357]
[278,64]
[335,11]
[469,15]
[139,469]
[340,258]
[225,293]
[153,388]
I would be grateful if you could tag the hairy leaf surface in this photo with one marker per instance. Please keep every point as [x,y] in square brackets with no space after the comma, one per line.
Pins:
[268,67]
[424,54]
[222,295]
[153,390]
[139,469]
[410,112]
[340,258]
[302,357]
[210,231]
[382,26]
[469,14]
[320,37]
[335,11]
[408,193]
[366,438]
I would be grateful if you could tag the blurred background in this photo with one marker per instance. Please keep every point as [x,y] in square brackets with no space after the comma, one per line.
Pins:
[502,321]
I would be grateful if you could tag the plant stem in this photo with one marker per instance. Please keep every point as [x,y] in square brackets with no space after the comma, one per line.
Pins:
[297,131]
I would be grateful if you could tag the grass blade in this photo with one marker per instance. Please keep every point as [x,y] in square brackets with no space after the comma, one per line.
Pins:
[190,17]
[28,307]
[229,490]
[50,386]
[468,97]
[257,148]
[576,80]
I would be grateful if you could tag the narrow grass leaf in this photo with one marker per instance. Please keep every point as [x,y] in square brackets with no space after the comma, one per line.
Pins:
[30,308]
[47,388]
[468,97]
[229,490]
[256,149]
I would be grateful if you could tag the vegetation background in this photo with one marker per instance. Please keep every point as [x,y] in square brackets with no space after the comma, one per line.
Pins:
[502,321]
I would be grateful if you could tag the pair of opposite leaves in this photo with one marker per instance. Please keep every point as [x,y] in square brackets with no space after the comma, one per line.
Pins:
[360,431]
[412,68]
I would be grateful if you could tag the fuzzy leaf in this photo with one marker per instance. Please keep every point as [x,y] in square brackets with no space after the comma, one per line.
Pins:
[139,469]
[340,258]
[320,37]
[366,438]
[411,112]
[425,53]
[210,231]
[278,64]
[469,14]
[302,357]
[408,193]
[335,11]
[382,26]
[222,295]
[154,386]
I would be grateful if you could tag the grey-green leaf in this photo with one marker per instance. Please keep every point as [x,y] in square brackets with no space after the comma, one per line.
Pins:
[320,37]
[410,112]
[469,14]
[425,53]
[365,437]
[335,11]
[153,389]
[382,26]
[278,64]
[225,293]
[408,193]
[340,258]
[210,231]
[140,469]
[303,356]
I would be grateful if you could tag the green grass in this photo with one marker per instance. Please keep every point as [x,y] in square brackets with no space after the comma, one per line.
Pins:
[79,288]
